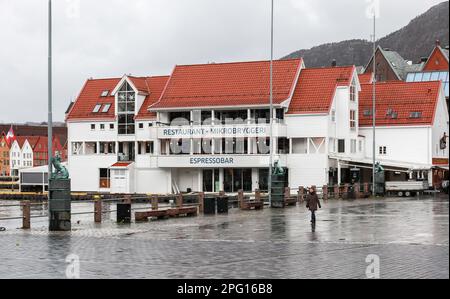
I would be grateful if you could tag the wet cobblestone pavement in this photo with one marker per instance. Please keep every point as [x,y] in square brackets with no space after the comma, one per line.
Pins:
[411,237]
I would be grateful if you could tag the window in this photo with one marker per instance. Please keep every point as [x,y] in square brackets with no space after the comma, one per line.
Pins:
[92,126]
[353,119]
[77,148]
[332,145]
[415,114]
[141,125]
[383,150]
[300,146]
[341,146]
[367,112]
[90,148]
[333,116]
[105,175]
[102,126]
[97,108]
[106,108]
[105,93]
[352,93]
[111,126]
[107,148]
[126,110]
[353,146]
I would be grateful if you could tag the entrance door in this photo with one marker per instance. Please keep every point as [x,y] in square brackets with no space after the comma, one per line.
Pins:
[120,181]
[211,180]
[237,179]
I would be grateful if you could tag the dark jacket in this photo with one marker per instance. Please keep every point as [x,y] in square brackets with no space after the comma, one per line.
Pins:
[312,202]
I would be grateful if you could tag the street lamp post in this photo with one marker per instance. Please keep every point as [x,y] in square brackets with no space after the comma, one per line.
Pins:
[374,111]
[271,106]
[50,113]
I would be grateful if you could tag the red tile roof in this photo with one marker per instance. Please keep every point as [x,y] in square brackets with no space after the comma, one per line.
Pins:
[316,88]
[122,164]
[366,78]
[32,140]
[156,86]
[228,84]
[90,96]
[403,98]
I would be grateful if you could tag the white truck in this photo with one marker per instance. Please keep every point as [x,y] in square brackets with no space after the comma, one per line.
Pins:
[406,188]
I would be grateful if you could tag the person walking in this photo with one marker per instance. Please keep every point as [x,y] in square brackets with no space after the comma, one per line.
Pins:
[313,203]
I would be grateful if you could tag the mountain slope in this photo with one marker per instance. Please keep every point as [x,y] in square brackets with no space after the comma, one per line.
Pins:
[413,41]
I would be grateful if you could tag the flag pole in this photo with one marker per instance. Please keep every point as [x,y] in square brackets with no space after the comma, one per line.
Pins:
[271,106]
[50,115]
[374,112]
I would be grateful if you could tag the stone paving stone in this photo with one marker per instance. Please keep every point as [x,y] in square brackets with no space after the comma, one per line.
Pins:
[410,236]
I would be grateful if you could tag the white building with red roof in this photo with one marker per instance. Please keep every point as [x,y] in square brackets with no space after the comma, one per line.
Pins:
[206,128]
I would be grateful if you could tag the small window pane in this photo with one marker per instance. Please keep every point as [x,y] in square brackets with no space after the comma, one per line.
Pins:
[426,77]
[105,93]
[106,108]
[434,76]
[97,108]
[443,76]
[410,77]
[418,77]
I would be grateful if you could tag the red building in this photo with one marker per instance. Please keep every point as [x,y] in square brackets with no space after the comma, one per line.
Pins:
[438,60]
[40,150]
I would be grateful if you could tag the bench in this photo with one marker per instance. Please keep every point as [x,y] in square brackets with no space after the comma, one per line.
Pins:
[162,214]
[252,205]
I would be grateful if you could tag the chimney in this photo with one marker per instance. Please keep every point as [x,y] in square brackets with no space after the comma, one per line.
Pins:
[438,43]
[333,63]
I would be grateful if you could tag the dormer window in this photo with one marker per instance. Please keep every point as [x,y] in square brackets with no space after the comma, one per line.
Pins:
[97,108]
[105,93]
[106,108]
[415,115]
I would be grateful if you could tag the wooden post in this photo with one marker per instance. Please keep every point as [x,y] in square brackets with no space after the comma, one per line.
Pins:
[287,193]
[301,194]
[258,195]
[127,199]
[356,187]
[325,192]
[366,189]
[201,202]
[26,210]
[155,203]
[179,200]
[241,199]
[345,192]
[97,209]
[336,191]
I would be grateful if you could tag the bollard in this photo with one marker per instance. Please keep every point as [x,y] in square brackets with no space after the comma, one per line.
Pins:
[287,193]
[325,192]
[357,189]
[258,195]
[366,189]
[201,202]
[301,194]
[97,209]
[26,209]
[241,199]
[154,202]
[179,200]
[127,199]
[336,191]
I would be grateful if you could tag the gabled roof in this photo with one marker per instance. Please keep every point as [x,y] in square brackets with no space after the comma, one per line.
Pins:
[90,96]
[156,86]
[32,140]
[316,87]
[229,84]
[400,98]
[397,63]
[438,51]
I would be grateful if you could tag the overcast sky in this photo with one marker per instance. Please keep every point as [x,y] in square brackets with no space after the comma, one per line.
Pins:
[108,38]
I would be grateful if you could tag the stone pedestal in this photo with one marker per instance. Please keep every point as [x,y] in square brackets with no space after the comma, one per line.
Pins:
[60,205]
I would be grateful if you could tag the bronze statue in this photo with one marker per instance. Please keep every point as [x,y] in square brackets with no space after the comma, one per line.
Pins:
[278,170]
[60,172]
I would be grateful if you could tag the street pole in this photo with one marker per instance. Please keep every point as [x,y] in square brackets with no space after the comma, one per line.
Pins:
[50,116]
[374,112]
[271,105]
